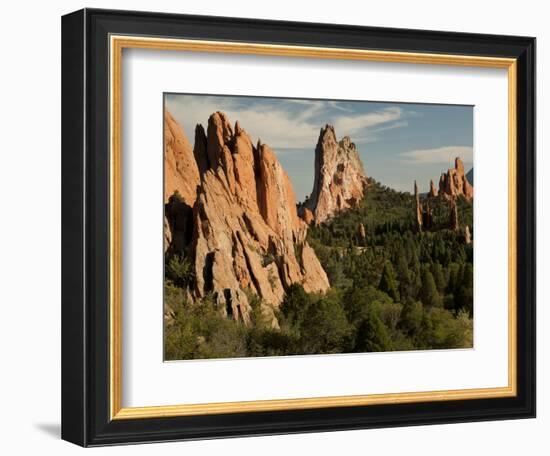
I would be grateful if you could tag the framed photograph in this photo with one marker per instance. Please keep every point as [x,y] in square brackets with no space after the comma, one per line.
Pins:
[274,227]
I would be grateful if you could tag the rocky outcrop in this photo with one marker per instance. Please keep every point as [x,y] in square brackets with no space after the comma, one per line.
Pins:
[361,233]
[423,212]
[181,173]
[453,214]
[306,215]
[339,181]
[167,234]
[418,208]
[181,179]
[454,183]
[247,236]
[433,191]
[467,236]
[178,224]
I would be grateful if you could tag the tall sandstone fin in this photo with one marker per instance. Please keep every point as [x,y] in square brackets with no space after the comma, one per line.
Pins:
[339,182]
[246,231]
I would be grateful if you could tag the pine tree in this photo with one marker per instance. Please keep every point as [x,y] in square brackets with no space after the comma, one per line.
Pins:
[428,292]
[372,335]
[388,283]
[439,278]
[405,277]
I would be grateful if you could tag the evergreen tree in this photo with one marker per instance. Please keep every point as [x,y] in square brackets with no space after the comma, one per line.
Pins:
[388,283]
[439,278]
[428,292]
[372,335]
[411,317]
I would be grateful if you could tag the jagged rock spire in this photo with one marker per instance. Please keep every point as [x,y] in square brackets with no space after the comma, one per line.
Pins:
[339,180]
[433,191]
[424,213]
[454,182]
[453,214]
[418,208]
[246,230]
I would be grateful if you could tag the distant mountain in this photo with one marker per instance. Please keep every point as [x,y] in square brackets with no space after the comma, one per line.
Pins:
[470,176]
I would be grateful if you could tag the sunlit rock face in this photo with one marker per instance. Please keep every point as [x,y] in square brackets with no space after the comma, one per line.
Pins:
[247,237]
[340,181]
[454,182]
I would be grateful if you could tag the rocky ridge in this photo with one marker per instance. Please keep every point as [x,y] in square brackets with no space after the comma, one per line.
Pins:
[454,182]
[246,233]
[340,181]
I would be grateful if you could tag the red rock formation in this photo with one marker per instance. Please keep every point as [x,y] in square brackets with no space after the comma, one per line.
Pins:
[178,216]
[306,215]
[424,213]
[361,232]
[453,214]
[167,234]
[418,208]
[180,168]
[340,180]
[427,216]
[181,179]
[454,182]
[433,191]
[467,236]
[247,235]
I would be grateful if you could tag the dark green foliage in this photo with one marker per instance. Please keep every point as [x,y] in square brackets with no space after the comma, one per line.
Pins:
[372,334]
[394,290]
[325,327]
[429,295]
[200,331]
[411,317]
[179,270]
[387,282]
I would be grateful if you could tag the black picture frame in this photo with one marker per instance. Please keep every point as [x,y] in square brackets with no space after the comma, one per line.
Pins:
[85,228]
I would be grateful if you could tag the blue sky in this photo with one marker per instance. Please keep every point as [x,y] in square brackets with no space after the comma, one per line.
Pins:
[397,142]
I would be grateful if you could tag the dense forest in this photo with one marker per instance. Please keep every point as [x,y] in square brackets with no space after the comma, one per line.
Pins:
[392,288]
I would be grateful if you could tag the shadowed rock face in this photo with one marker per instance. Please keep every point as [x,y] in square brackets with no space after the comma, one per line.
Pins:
[454,182]
[181,179]
[247,236]
[340,180]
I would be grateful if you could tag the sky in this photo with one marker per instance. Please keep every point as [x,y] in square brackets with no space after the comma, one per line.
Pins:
[397,142]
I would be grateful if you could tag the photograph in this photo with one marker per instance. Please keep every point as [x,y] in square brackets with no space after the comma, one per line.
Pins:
[316,226]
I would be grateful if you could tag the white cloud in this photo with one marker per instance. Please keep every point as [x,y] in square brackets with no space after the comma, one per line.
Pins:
[348,125]
[372,134]
[284,128]
[438,155]
[274,126]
